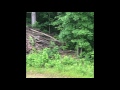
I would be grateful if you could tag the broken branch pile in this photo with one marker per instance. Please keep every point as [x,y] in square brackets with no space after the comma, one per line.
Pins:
[38,40]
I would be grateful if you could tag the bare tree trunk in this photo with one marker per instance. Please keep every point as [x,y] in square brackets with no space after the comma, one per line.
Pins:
[81,51]
[33,17]
[77,51]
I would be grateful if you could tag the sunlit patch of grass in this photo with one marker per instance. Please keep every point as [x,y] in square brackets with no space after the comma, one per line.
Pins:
[66,72]
[56,66]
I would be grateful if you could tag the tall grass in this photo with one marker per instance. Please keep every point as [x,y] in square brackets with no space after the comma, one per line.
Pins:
[66,66]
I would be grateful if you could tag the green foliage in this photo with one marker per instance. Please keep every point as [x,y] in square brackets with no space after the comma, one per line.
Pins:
[77,28]
[53,51]
[28,20]
[44,20]
[36,25]
[81,67]
[63,47]
[67,60]
[38,59]
[31,40]
[90,56]
[32,60]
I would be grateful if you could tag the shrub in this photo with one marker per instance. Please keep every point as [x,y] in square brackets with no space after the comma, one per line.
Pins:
[67,60]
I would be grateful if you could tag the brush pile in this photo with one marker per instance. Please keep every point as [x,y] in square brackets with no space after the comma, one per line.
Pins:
[38,40]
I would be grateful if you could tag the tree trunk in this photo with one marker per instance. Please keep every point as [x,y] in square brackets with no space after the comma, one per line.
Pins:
[77,51]
[33,17]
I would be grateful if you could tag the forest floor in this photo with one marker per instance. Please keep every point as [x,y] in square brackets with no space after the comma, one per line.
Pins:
[39,75]
[43,73]
[35,75]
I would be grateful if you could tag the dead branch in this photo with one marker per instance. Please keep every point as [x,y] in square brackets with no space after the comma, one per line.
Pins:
[41,40]
[41,33]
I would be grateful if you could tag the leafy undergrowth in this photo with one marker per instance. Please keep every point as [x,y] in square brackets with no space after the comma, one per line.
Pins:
[53,65]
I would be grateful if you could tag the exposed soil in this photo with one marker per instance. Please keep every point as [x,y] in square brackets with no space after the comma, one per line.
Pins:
[35,75]
[38,75]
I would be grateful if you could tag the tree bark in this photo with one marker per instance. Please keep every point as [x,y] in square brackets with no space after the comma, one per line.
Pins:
[33,17]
